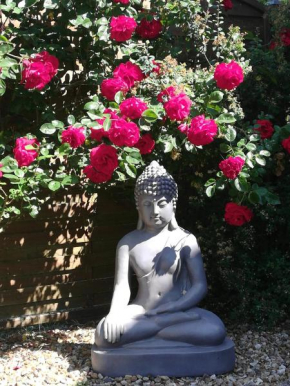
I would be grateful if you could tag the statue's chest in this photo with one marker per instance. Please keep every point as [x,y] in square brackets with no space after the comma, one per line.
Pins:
[147,259]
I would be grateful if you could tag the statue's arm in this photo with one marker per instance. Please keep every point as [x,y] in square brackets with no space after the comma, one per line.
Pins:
[198,289]
[113,326]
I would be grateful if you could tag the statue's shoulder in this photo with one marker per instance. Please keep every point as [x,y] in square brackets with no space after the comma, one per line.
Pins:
[129,239]
[186,237]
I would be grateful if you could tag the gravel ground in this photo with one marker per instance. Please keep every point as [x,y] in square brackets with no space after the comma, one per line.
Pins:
[60,355]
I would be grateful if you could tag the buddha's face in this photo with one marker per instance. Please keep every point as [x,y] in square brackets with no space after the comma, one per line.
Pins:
[155,211]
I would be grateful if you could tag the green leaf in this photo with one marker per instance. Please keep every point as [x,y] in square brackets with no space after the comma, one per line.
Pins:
[10,176]
[231,134]
[242,184]
[2,87]
[130,170]
[241,143]
[57,123]
[272,198]
[48,129]
[71,120]
[107,124]
[251,146]
[209,182]
[210,190]
[150,115]
[226,118]
[51,4]
[19,173]
[260,160]
[92,106]
[265,153]
[254,137]
[168,146]
[216,97]
[119,97]
[224,148]
[254,198]
[54,185]
[132,160]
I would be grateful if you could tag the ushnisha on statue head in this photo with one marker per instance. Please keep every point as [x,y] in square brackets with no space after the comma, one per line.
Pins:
[155,182]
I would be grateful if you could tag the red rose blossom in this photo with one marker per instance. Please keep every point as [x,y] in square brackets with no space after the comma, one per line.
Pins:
[122,28]
[104,158]
[110,87]
[157,67]
[202,131]
[145,144]
[183,128]
[129,73]
[98,133]
[228,75]
[166,94]
[273,45]
[95,175]
[75,136]
[286,144]
[149,29]
[178,107]
[25,156]
[227,4]
[237,215]
[133,108]
[39,70]
[231,166]
[1,173]
[123,133]
[265,128]
[285,36]
[125,2]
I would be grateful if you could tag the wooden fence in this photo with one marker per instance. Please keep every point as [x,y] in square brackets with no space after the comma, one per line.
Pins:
[61,265]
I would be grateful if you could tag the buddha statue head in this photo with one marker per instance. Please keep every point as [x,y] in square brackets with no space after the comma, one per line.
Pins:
[156,187]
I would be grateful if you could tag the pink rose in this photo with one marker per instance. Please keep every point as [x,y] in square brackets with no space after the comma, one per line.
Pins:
[149,29]
[95,175]
[227,4]
[133,108]
[178,107]
[23,155]
[237,215]
[183,128]
[123,133]
[286,144]
[110,87]
[166,94]
[202,131]
[39,70]
[129,73]
[99,133]
[104,158]
[145,144]
[231,166]
[1,173]
[75,136]
[266,128]
[228,75]
[285,36]
[122,28]
[125,2]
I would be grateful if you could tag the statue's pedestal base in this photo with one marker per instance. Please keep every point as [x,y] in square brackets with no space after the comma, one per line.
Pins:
[177,361]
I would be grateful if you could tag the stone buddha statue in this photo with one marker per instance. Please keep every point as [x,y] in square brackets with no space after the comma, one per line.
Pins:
[162,331]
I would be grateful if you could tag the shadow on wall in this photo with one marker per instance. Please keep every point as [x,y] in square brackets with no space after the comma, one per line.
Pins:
[61,265]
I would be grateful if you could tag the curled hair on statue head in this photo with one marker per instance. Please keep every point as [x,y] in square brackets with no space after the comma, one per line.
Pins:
[157,182]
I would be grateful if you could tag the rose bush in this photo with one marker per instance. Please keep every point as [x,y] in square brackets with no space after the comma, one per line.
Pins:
[140,102]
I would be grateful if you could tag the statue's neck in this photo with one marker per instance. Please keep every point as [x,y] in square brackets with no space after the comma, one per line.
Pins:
[154,232]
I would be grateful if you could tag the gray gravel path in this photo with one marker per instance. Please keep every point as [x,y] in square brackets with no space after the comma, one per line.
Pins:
[60,355]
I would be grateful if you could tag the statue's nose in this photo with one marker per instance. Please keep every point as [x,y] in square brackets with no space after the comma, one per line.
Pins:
[155,208]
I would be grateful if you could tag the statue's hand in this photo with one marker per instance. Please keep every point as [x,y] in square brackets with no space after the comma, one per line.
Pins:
[113,328]
[167,307]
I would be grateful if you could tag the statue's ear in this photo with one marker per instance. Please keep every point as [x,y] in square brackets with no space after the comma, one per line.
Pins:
[140,223]
[173,223]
